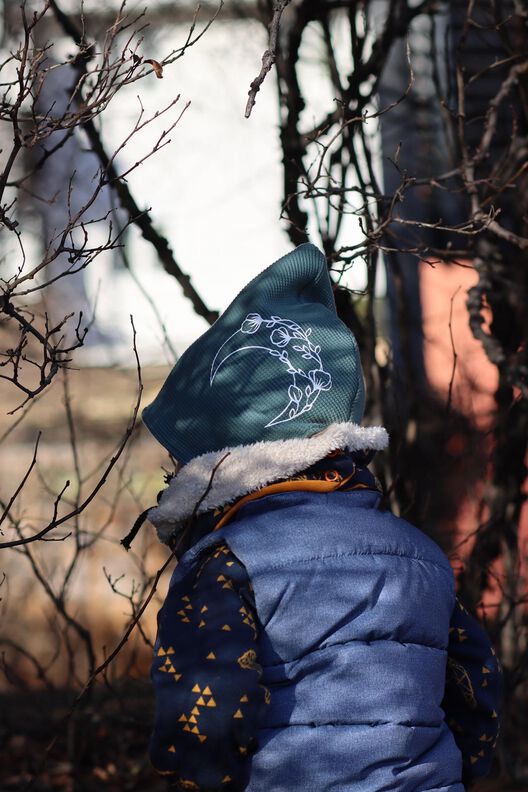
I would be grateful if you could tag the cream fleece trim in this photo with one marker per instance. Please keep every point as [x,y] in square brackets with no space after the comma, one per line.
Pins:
[249,467]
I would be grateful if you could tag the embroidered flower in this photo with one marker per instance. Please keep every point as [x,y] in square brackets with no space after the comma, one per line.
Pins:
[251,323]
[306,386]
[280,337]
[321,380]
[295,394]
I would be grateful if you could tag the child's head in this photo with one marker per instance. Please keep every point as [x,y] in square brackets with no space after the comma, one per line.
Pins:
[278,364]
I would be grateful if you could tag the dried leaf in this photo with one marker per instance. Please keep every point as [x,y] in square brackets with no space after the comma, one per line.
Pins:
[156,65]
[100,773]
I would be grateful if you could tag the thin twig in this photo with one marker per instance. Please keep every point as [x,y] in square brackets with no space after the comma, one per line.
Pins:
[455,354]
[270,55]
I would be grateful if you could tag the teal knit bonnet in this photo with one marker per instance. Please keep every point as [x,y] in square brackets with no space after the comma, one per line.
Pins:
[277,364]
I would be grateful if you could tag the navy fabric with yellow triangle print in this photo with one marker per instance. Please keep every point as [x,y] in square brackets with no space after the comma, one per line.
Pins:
[209,697]
[472,695]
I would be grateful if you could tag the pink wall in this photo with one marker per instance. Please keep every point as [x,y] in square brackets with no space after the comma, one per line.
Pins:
[443,290]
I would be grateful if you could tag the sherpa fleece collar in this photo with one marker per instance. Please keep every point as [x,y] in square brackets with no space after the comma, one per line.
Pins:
[247,468]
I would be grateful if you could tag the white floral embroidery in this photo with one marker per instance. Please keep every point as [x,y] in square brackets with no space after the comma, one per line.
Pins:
[285,336]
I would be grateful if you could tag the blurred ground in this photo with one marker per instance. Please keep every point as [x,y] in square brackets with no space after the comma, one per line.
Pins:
[101,402]
[103,746]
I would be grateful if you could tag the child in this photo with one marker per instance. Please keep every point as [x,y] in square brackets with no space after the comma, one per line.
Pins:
[309,641]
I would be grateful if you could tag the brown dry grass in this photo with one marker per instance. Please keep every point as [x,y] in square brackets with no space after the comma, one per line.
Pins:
[101,401]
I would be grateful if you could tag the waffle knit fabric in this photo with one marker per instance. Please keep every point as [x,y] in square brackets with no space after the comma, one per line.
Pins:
[278,364]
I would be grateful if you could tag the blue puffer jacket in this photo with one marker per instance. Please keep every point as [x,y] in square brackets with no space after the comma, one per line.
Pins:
[355,606]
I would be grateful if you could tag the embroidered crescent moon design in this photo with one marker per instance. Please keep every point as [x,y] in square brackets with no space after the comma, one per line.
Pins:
[284,336]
